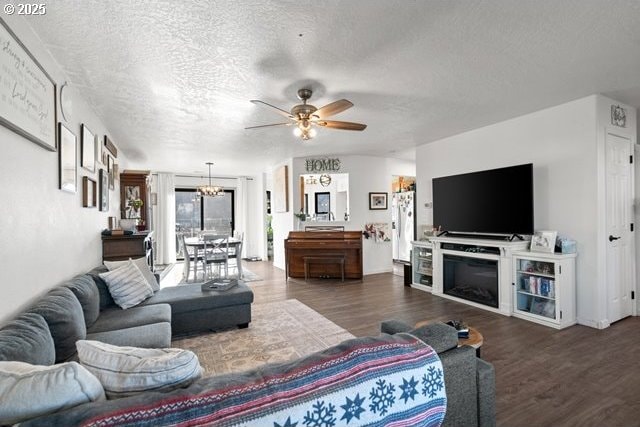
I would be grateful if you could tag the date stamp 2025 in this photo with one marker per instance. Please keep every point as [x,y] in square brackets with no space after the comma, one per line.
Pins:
[25,9]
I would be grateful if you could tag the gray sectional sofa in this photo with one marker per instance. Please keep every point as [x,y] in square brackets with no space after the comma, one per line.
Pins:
[46,333]
[83,309]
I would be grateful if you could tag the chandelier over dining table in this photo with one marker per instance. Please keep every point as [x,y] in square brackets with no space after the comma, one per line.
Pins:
[210,190]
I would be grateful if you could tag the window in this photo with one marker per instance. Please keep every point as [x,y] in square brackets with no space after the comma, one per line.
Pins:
[195,213]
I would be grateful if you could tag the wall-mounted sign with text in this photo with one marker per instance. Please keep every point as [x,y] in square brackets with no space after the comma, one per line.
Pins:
[322,165]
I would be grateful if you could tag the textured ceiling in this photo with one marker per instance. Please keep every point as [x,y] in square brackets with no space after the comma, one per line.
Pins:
[172,80]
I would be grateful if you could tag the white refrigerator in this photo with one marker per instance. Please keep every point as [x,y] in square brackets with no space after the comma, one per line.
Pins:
[402,224]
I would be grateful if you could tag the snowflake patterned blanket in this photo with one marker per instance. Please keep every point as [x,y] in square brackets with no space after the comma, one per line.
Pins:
[383,381]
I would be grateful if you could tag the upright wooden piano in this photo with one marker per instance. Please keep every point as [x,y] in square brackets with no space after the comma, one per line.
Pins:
[318,244]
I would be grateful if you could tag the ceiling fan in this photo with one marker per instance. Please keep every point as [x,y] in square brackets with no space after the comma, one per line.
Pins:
[306,116]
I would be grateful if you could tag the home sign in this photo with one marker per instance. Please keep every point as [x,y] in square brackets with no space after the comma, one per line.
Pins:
[322,165]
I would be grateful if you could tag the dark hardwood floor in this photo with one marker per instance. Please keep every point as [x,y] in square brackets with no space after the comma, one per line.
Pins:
[579,376]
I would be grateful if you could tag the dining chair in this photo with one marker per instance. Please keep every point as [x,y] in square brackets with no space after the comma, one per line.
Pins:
[235,252]
[191,260]
[216,252]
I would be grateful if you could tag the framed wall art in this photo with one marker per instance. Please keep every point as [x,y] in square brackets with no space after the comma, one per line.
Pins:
[104,190]
[111,173]
[110,146]
[281,189]
[88,192]
[378,201]
[89,149]
[67,159]
[27,93]
[618,116]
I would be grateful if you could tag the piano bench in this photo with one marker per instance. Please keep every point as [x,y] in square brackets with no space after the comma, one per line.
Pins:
[323,259]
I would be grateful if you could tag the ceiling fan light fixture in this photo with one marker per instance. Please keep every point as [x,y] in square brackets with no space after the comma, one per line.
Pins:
[304,130]
[306,116]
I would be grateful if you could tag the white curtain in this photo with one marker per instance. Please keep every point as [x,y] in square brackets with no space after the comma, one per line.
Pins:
[241,211]
[165,230]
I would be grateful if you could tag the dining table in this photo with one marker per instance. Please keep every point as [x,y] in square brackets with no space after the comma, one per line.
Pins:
[197,243]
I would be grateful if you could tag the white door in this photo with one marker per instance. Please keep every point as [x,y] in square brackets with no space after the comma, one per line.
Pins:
[619,236]
[395,236]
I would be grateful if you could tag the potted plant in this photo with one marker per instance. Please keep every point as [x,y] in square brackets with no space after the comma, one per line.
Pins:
[141,226]
[136,203]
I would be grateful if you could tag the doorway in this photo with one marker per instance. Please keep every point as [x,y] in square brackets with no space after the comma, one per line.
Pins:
[619,209]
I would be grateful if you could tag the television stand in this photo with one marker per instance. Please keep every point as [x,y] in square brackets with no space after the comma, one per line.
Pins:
[509,238]
[482,249]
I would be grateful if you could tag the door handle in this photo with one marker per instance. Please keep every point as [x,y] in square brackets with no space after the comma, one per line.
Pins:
[612,238]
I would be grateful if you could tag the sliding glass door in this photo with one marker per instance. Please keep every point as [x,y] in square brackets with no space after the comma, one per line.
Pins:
[196,214]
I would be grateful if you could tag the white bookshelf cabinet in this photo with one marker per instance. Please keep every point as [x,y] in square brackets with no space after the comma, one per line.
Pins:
[544,288]
[422,265]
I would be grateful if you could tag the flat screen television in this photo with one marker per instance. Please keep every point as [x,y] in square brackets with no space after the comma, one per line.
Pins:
[496,201]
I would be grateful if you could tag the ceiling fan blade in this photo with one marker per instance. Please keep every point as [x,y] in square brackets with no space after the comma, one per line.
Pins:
[334,124]
[333,108]
[280,110]
[273,124]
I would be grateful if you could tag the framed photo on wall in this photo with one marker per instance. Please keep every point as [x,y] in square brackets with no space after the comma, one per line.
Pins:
[89,149]
[543,241]
[88,192]
[377,201]
[67,159]
[104,190]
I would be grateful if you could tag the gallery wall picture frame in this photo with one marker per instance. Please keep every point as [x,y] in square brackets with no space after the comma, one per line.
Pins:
[103,176]
[543,241]
[111,173]
[281,189]
[110,146]
[378,201]
[89,198]
[104,154]
[28,93]
[67,159]
[89,149]
[618,116]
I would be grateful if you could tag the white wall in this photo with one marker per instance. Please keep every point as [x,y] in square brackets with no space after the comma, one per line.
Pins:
[366,174]
[47,236]
[562,144]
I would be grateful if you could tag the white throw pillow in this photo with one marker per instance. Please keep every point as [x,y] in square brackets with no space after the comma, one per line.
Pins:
[29,391]
[124,371]
[141,263]
[127,286]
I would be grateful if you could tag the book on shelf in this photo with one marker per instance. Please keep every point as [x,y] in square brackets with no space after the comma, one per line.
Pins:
[461,327]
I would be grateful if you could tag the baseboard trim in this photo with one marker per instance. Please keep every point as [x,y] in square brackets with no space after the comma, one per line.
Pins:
[368,273]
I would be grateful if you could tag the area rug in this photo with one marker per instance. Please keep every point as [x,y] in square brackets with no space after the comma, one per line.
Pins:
[279,331]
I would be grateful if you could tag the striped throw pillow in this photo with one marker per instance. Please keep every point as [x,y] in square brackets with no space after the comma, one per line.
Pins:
[127,285]
[124,371]
[141,263]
